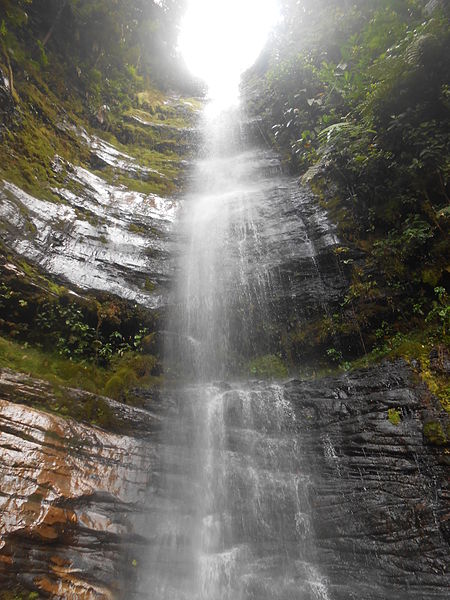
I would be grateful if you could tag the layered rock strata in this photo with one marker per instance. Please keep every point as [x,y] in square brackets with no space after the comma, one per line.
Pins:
[77,500]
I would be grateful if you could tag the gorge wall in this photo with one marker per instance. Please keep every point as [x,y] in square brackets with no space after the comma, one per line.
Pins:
[76,500]
[89,193]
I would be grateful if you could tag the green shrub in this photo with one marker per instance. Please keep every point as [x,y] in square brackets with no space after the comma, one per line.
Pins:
[269,365]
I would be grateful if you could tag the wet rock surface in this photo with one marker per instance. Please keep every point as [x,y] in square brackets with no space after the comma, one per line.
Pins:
[106,225]
[380,496]
[71,495]
[273,253]
[98,239]
[78,502]
[310,492]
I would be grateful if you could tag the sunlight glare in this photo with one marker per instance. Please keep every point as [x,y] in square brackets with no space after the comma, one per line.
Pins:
[219,39]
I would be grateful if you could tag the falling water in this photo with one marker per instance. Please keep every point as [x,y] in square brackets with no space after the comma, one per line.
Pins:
[233,521]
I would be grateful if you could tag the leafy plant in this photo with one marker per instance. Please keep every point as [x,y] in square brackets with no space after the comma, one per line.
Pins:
[440,311]
[394,416]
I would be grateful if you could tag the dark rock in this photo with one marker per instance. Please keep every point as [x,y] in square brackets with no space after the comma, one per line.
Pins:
[440,360]
[381,508]
[6,99]
[377,492]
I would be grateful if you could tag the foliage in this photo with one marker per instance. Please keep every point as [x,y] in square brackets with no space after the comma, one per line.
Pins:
[434,433]
[19,593]
[269,365]
[125,41]
[355,96]
[394,416]
[440,311]
[125,373]
[91,330]
[90,64]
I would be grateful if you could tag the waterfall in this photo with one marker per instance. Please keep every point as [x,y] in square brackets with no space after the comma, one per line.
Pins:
[233,518]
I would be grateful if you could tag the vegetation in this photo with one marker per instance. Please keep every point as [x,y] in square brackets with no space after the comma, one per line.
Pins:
[268,366]
[355,96]
[19,594]
[394,416]
[97,329]
[76,64]
[97,343]
[109,70]
[123,375]
[435,434]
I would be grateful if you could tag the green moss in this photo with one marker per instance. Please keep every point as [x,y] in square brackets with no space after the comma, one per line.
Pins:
[153,185]
[19,593]
[137,229]
[61,374]
[149,286]
[29,148]
[52,368]
[269,365]
[434,433]
[33,275]
[415,348]
[394,416]
[170,117]
[126,372]
[129,372]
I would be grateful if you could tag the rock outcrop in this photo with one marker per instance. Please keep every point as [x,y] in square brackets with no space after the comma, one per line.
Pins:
[380,495]
[77,501]
[71,495]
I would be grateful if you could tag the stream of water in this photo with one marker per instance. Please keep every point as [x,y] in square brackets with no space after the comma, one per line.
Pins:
[234,516]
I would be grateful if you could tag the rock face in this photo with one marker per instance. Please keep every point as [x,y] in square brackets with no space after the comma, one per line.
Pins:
[70,496]
[265,257]
[98,239]
[380,496]
[80,505]
[104,224]
[302,491]
[332,491]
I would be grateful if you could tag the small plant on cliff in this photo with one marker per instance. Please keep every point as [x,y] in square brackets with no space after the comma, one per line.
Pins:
[434,433]
[440,311]
[394,416]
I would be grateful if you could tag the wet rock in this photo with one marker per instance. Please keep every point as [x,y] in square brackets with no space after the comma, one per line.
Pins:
[81,505]
[277,261]
[104,237]
[381,497]
[71,495]
[104,154]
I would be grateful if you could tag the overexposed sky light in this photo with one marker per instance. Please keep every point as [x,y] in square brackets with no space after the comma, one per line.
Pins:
[221,38]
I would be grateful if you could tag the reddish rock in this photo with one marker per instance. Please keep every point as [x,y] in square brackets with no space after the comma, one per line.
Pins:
[69,496]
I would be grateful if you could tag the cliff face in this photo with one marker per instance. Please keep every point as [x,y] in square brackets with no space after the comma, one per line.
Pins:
[93,160]
[81,505]
[82,499]
[95,234]
[89,193]
[380,492]
[72,495]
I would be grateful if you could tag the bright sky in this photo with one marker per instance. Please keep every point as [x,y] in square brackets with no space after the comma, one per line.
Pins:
[221,38]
